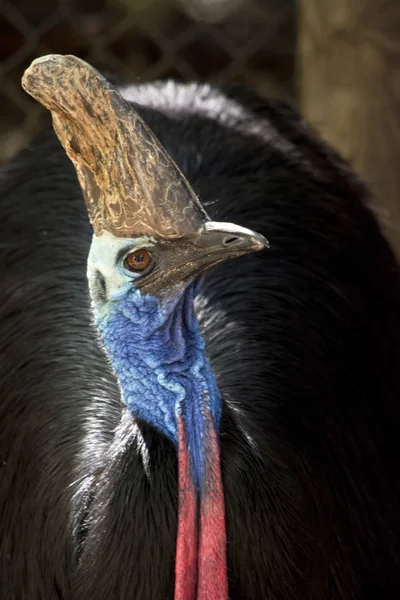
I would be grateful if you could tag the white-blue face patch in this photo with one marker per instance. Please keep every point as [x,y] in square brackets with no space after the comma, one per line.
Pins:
[105,263]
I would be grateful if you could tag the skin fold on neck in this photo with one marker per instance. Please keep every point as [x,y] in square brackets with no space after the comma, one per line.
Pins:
[160,360]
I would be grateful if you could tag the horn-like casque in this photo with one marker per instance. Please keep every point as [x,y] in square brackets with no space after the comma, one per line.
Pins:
[130,184]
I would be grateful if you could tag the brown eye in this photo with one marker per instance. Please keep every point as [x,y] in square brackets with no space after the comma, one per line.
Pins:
[138,260]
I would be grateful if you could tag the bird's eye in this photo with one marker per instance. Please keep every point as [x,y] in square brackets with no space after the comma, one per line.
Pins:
[137,261]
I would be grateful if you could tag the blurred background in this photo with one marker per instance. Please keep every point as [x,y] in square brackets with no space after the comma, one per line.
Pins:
[338,61]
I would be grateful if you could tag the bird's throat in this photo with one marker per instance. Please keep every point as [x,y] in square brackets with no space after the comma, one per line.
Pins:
[166,380]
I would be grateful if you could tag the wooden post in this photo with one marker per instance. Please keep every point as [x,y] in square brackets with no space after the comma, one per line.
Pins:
[349,89]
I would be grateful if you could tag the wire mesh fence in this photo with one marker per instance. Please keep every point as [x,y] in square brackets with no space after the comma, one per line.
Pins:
[246,41]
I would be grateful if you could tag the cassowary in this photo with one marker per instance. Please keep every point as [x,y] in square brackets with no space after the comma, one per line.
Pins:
[285,362]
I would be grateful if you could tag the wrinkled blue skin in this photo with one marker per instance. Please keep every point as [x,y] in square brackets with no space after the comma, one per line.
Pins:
[160,360]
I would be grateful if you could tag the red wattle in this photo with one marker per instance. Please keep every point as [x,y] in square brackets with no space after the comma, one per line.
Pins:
[212,571]
[186,543]
[200,570]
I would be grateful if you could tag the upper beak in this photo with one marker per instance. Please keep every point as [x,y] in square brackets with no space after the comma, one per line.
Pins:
[227,239]
[215,243]
[221,241]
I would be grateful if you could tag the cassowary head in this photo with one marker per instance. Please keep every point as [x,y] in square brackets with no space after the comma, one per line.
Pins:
[152,239]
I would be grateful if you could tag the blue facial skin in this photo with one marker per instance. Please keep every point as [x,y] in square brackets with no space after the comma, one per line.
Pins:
[160,360]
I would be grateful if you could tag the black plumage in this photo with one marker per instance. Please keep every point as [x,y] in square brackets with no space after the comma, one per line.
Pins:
[304,342]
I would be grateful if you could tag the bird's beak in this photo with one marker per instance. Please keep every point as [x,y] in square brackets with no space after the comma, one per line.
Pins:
[227,239]
[219,241]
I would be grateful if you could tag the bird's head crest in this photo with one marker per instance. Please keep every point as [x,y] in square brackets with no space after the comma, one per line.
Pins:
[131,185]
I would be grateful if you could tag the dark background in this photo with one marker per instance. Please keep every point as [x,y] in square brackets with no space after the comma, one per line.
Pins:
[139,40]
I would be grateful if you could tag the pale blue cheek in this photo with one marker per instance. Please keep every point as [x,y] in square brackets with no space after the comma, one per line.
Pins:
[160,360]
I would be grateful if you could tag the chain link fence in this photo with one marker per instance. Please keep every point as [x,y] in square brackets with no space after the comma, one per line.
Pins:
[246,41]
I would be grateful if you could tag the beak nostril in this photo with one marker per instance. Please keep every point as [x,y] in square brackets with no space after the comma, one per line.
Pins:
[230,240]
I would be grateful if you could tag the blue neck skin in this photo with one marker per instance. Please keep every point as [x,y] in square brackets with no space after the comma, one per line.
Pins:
[160,360]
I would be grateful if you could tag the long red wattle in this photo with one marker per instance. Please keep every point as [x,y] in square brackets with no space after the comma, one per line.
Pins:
[186,541]
[212,579]
[200,571]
